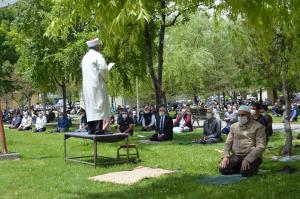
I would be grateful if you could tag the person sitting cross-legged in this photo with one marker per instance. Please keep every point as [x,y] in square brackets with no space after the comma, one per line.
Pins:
[183,122]
[247,142]
[83,126]
[125,123]
[40,123]
[164,126]
[16,120]
[63,123]
[211,129]
[26,122]
[148,120]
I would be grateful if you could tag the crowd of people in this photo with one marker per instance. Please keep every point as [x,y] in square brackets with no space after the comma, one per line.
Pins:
[247,127]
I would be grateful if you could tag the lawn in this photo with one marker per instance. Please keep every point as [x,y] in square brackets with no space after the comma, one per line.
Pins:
[42,172]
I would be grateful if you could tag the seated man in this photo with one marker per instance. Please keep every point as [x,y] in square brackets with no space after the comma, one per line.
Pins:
[257,116]
[83,125]
[211,129]
[183,122]
[125,123]
[26,122]
[294,113]
[40,124]
[230,117]
[148,120]
[63,123]
[247,141]
[164,127]
[16,121]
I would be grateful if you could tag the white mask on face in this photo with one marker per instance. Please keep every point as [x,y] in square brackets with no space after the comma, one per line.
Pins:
[124,116]
[253,112]
[161,113]
[243,120]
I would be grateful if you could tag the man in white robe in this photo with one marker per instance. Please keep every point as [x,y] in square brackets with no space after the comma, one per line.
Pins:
[94,77]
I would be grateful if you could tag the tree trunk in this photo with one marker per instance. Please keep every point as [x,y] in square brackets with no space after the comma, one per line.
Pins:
[224,101]
[260,96]
[64,92]
[287,150]
[44,102]
[274,95]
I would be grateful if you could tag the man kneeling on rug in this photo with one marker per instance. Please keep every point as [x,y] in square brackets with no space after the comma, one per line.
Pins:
[247,141]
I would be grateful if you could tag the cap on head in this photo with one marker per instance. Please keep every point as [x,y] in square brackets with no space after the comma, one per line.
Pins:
[93,43]
[245,108]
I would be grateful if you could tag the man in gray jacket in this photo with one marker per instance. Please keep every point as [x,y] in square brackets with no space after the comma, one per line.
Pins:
[211,130]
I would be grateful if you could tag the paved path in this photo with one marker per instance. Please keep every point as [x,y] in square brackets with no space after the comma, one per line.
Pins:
[276,126]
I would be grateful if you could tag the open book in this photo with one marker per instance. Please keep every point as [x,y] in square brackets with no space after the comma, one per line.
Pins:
[110,65]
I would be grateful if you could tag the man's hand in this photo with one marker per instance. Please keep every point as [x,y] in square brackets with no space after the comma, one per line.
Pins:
[245,165]
[205,137]
[224,162]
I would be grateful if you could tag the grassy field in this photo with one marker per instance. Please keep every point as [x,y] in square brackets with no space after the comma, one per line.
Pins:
[42,172]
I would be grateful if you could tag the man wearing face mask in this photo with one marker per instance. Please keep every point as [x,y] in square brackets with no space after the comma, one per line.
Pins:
[164,126]
[125,123]
[183,122]
[244,146]
[211,129]
[257,116]
[40,124]
[26,122]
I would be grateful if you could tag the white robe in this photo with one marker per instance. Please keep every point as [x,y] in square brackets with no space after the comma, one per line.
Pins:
[94,76]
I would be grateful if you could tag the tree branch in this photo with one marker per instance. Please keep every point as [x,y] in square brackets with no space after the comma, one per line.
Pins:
[172,23]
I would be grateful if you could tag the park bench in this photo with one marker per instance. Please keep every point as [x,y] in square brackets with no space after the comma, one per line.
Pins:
[197,115]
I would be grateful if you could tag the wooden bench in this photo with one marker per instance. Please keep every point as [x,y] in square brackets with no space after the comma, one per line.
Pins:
[197,115]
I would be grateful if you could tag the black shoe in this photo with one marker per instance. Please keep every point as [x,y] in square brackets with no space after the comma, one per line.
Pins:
[99,132]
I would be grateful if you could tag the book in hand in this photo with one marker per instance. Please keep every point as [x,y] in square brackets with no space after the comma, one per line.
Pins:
[110,65]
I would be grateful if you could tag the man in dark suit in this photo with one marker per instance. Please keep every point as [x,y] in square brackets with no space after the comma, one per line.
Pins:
[164,126]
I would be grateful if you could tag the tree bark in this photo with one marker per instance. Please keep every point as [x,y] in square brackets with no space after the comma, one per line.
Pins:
[260,96]
[274,95]
[64,92]
[287,150]
[44,102]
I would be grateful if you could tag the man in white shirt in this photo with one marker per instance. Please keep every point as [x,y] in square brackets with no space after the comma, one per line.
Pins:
[40,124]
[95,97]
[26,122]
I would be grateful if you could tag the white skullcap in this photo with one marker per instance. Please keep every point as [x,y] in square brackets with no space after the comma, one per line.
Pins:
[93,43]
[245,108]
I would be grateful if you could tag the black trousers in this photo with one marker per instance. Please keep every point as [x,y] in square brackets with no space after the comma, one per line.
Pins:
[158,137]
[235,164]
[95,127]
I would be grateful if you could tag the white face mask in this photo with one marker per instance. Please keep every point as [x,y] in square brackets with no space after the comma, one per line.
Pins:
[243,120]
[124,116]
[146,111]
[161,113]
[209,115]
[253,112]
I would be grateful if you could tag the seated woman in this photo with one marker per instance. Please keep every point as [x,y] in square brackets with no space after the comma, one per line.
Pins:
[211,129]
[183,122]
[40,124]
[26,122]
[63,123]
[125,123]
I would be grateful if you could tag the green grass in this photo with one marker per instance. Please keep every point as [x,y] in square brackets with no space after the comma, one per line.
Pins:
[42,172]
